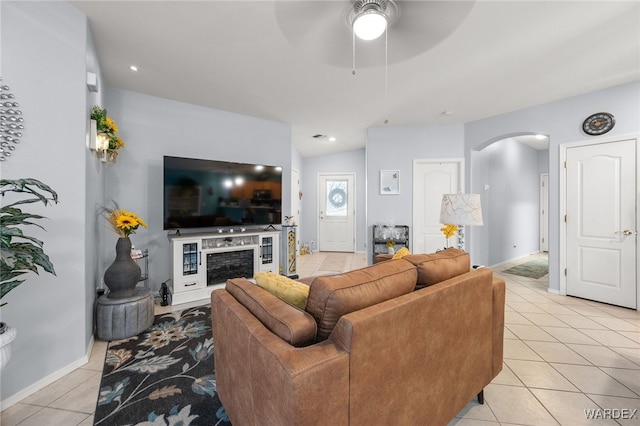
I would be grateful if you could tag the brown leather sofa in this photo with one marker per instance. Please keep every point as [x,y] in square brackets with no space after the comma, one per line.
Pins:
[369,349]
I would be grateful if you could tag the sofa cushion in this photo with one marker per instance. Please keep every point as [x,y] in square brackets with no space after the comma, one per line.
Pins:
[294,326]
[436,267]
[292,292]
[401,253]
[332,296]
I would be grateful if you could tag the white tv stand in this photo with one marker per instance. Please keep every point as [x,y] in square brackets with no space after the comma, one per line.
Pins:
[203,262]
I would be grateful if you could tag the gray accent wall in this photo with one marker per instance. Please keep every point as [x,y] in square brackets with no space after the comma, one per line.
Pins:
[561,121]
[508,175]
[153,127]
[44,62]
[343,162]
[394,148]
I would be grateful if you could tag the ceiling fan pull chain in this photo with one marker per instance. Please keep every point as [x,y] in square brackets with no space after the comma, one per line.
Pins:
[353,35]
[386,74]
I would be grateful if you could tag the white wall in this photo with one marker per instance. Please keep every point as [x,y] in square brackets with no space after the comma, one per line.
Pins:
[561,121]
[44,60]
[152,127]
[343,162]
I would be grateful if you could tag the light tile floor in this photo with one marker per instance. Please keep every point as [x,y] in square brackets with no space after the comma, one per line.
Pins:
[562,356]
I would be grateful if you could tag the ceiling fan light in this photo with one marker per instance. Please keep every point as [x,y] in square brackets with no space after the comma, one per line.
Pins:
[370,24]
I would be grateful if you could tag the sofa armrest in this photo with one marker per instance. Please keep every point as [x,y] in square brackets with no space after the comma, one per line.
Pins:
[295,326]
[430,347]
[261,379]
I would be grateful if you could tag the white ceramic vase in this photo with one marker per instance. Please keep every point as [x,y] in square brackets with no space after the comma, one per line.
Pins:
[6,338]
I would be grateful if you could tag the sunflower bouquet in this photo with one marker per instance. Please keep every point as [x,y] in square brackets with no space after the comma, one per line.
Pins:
[123,222]
[448,230]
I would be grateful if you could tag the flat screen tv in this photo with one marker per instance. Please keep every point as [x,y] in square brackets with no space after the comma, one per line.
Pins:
[207,193]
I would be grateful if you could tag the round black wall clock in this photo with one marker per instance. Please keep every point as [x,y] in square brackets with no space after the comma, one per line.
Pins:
[598,123]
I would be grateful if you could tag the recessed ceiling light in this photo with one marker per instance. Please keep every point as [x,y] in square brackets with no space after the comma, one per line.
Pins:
[133,68]
[332,139]
[540,137]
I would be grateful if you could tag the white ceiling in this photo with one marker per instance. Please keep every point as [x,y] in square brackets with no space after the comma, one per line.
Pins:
[291,61]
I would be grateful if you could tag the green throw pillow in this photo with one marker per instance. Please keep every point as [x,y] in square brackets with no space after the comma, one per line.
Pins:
[290,291]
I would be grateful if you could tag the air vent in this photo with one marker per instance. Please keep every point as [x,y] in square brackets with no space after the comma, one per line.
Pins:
[319,136]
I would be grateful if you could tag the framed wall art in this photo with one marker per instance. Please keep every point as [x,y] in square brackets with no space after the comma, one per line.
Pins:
[389,182]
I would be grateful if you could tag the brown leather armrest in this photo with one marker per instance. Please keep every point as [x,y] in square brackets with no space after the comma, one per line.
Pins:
[295,326]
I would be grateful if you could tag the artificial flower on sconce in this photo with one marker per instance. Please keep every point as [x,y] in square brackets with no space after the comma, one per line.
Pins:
[107,143]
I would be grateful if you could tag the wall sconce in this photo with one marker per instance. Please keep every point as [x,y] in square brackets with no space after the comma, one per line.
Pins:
[461,209]
[98,142]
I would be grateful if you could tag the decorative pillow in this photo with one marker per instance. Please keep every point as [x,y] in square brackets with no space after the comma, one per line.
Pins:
[294,326]
[332,296]
[401,253]
[440,266]
[291,291]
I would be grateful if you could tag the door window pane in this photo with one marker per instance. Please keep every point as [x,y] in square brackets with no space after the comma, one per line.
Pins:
[337,198]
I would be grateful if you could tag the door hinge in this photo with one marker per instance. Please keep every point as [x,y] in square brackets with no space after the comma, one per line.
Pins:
[565,272]
[565,218]
[565,164]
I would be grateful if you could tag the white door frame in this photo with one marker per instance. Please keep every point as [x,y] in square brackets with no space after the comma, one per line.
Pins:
[563,205]
[319,202]
[544,217]
[295,201]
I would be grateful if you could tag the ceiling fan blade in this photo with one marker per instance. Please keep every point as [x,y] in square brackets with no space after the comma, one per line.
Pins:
[320,29]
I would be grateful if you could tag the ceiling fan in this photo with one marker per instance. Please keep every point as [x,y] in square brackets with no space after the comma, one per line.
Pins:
[323,30]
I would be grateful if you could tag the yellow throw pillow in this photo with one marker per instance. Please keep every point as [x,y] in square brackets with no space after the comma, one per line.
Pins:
[401,253]
[291,291]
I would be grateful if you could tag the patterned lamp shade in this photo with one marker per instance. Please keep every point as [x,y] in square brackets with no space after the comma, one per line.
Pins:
[461,209]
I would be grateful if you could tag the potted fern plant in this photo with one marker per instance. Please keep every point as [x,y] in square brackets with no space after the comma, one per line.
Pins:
[19,253]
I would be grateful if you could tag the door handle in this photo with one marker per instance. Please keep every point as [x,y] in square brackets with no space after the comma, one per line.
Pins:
[626,232]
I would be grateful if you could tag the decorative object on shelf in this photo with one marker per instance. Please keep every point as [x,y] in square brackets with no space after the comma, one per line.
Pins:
[391,247]
[389,182]
[124,273]
[21,253]
[598,123]
[448,230]
[103,133]
[461,209]
[11,122]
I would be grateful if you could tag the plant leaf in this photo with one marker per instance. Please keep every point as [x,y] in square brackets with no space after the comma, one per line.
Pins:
[165,392]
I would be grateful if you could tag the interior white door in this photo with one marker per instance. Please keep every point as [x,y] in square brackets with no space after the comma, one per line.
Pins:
[295,205]
[336,213]
[544,212]
[432,179]
[601,230]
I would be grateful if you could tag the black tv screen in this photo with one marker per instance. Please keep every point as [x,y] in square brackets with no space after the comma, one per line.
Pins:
[207,193]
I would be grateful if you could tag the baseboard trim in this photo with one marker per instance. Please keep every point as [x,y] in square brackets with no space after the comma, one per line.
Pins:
[513,260]
[46,381]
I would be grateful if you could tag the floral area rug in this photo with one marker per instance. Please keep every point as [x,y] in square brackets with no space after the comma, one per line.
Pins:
[164,376]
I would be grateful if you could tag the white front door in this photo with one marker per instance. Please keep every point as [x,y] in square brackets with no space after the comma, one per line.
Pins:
[601,230]
[336,213]
[432,179]
[544,212]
